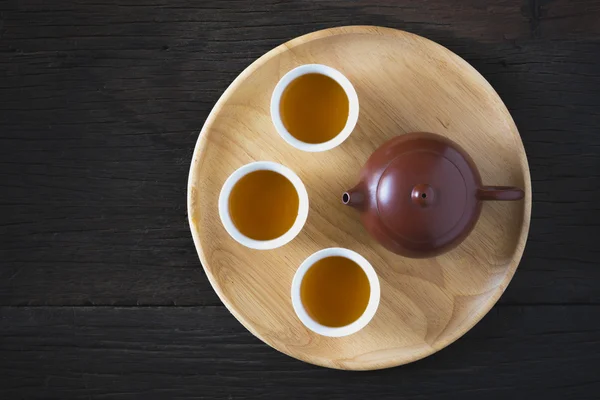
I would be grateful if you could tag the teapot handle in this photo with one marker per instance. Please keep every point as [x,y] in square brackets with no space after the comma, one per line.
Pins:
[504,193]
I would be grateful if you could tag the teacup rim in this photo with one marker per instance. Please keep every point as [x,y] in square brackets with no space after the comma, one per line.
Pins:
[234,232]
[372,305]
[342,80]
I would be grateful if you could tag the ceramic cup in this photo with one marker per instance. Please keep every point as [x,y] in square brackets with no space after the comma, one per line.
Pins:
[358,324]
[336,76]
[226,217]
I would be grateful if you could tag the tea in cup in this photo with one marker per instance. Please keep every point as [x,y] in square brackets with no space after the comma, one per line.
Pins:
[263,205]
[335,292]
[314,107]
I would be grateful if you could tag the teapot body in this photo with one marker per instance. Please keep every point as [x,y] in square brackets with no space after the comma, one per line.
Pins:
[420,195]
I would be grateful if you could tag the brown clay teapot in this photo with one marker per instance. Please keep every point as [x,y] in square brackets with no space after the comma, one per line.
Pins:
[420,194]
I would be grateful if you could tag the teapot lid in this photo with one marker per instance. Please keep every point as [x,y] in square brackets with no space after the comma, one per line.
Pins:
[427,193]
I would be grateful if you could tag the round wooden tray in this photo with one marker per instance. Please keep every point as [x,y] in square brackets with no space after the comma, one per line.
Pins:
[404,83]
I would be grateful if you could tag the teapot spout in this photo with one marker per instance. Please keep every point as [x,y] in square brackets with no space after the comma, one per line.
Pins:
[354,197]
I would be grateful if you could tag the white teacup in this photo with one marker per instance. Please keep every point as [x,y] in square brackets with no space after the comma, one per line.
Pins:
[356,325]
[336,76]
[226,217]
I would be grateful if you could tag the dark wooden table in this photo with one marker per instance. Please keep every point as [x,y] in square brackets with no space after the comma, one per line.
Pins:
[101,291]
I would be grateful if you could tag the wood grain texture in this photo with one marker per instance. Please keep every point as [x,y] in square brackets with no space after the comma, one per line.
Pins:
[101,102]
[100,108]
[531,352]
[405,83]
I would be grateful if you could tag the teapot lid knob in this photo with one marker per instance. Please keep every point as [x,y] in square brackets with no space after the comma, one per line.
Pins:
[423,195]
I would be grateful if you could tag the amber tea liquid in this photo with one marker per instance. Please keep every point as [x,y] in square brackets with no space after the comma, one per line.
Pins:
[335,291]
[263,205]
[314,108]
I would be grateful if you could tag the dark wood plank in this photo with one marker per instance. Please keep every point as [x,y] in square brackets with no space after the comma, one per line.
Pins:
[101,102]
[517,352]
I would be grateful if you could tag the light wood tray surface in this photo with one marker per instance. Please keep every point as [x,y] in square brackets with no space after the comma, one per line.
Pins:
[405,83]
